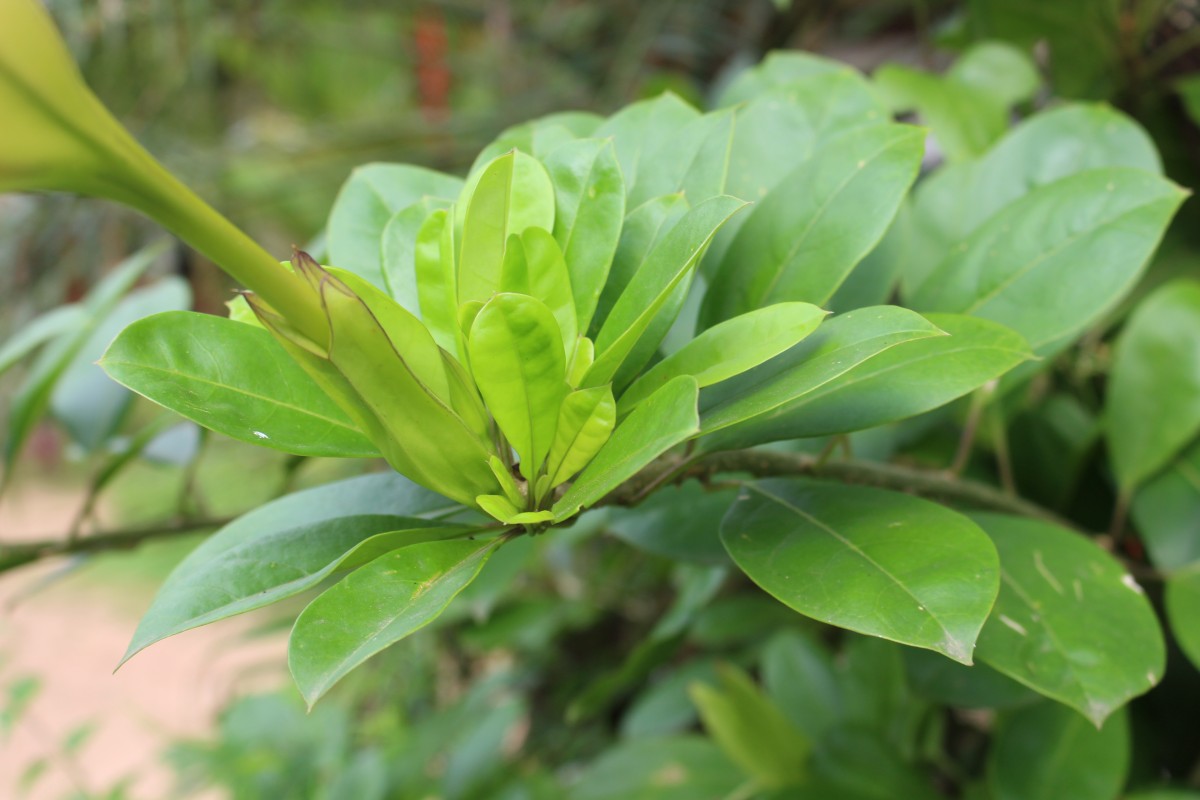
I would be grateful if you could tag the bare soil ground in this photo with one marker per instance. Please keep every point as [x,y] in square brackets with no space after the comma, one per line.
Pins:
[69,633]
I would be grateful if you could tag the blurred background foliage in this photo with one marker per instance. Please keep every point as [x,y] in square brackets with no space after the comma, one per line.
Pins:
[265,107]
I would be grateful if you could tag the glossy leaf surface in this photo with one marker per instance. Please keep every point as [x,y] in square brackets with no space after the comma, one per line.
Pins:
[239,382]
[589,208]
[398,250]
[766,395]
[1153,406]
[1044,752]
[517,358]
[585,421]
[1069,623]
[875,562]
[729,349]
[639,127]
[663,421]
[534,266]
[367,201]
[283,548]
[806,235]
[1054,261]
[376,606]
[670,262]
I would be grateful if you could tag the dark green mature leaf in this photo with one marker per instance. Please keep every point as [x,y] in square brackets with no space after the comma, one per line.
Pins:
[1153,405]
[85,400]
[518,362]
[777,70]
[694,160]
[38,331]
[681,523]
[34,394]
[1000,70]
[589,208]
[671,261]
[1048,146]
[900,382]
[855,763]
[1070,622]
[964,121]
[1044,752]
[1055,261]
[729,348]
[640,128]
[1183,610]
[234,379]
[398,251]
[978,686]
[1167,512]
[751,730]
[367,201]
[668,768]
[765,396]
[876,562]
[644,227]
[803,239]
[539,137]
[285,547]
[798,673]
[376,606]
[663,421]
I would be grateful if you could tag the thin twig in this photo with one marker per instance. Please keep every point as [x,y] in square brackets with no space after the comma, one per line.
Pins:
[18,555]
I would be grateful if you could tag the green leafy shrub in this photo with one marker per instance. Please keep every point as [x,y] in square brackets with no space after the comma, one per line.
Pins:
[620,323]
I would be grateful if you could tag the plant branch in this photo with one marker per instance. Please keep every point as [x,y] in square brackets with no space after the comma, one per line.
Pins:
[19,554]
[933,484]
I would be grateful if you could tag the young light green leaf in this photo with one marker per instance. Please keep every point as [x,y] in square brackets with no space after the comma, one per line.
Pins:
[437,287]
[1153,405]
[368,199]
[534,266]
[640,128]
[501,508]
[281,548]
[1183,610]
[903,381]
[424,439]
[513,193]
[770,391]
[751,730]
[581,361]
[507,482]
[905,569]
[376,606]
[398,254]
[663,421]
[1045,752]
[585,421]
[1070,623]
[643,229]
[408,336]
[998,69]
[590,206]
[43,328]
[1056,260]
[233,379]
[803,239]
[673,259]
[729,348]
[517,357]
